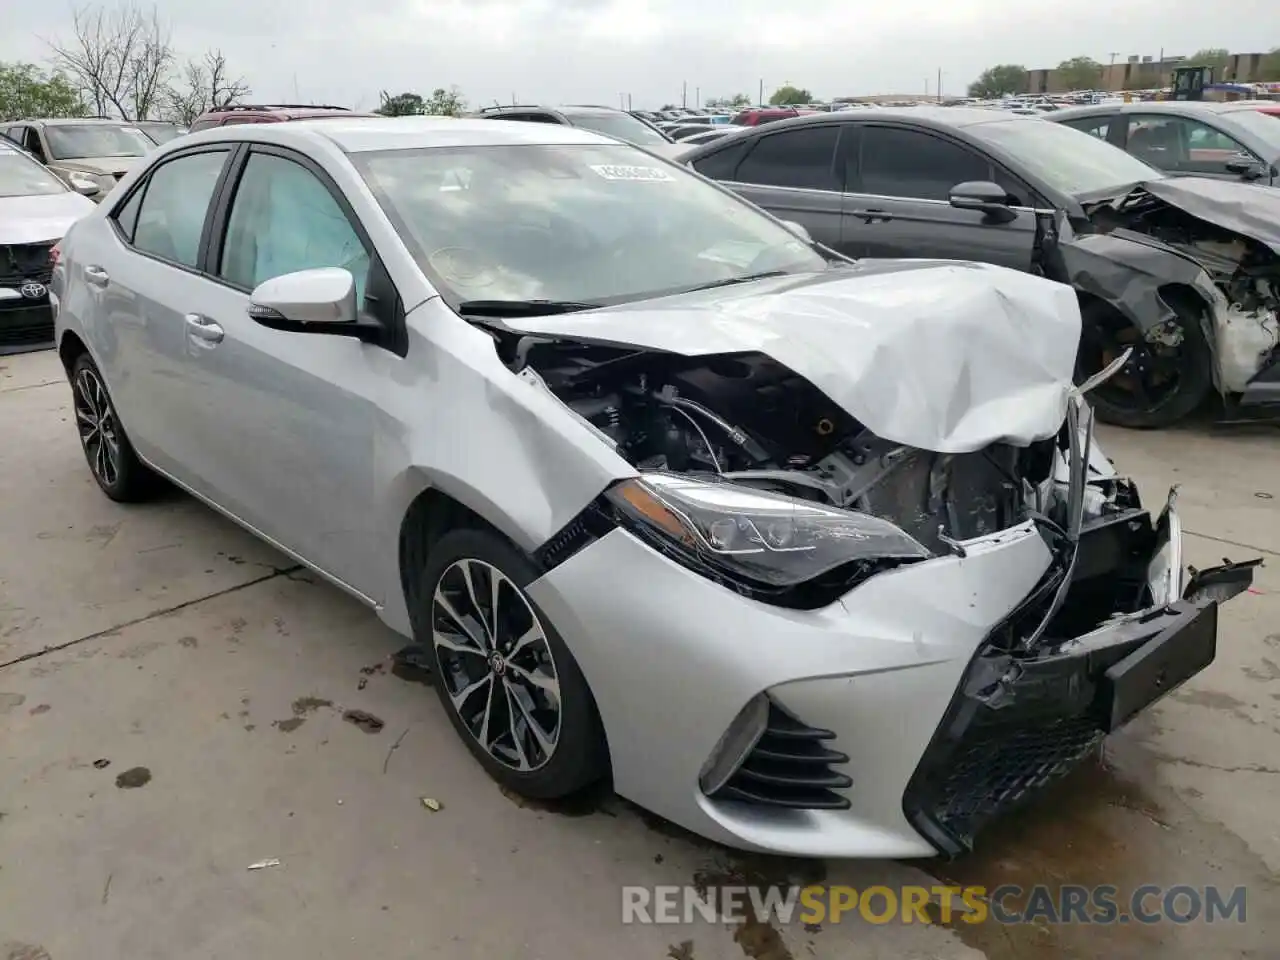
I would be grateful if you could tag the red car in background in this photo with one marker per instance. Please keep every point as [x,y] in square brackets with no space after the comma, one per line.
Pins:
[761,115]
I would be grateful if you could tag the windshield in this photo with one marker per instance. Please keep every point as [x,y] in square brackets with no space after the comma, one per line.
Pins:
[623,126]
[1261,125]
[91,141]
[1069,160]
[20,176]
[585,223]
[162,132]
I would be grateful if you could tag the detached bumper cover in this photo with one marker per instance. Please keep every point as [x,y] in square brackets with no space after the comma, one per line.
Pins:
[1019,722]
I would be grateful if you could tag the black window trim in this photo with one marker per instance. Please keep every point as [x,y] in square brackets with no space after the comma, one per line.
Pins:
[212,240]
[993,165]
[143,182]
[769,131]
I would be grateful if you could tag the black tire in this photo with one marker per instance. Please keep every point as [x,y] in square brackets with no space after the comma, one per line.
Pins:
[580,755]
[121,475]
[1195,379]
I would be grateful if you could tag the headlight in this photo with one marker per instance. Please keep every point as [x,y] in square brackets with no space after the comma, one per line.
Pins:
[766,538]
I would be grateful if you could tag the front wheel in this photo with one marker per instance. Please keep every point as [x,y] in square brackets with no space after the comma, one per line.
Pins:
[511,688]
[1167,376]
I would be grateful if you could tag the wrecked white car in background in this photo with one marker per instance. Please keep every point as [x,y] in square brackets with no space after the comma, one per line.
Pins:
[814,557]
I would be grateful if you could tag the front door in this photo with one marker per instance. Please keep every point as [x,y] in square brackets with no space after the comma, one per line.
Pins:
[898,204]
[286,424]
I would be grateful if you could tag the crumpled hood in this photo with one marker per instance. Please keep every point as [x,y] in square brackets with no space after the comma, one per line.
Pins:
[942,355]
[1246,208]
[40,219]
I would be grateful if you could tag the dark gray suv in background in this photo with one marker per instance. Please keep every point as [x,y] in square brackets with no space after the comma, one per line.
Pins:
[1182,273]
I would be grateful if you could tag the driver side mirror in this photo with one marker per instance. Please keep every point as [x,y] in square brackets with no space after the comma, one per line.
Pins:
[1246,167]
[984,196]
[322,300]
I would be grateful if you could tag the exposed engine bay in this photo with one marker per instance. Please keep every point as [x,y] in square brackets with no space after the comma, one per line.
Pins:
[748,419]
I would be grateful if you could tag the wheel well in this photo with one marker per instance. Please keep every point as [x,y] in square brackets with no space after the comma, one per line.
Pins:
[1178,295]
[70,349]
[431,515]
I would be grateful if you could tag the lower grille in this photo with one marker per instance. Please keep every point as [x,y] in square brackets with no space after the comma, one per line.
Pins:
[25,262]
[26,327]
[998,766]
[789,767]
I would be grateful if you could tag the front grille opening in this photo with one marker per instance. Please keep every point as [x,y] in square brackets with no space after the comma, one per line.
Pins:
[998,767]
[790,766]
[24,263]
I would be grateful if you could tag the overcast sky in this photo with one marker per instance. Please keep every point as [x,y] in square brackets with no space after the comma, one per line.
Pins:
[574,51]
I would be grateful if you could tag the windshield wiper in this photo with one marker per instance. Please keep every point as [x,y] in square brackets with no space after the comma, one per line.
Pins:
[731,281]
[523,308]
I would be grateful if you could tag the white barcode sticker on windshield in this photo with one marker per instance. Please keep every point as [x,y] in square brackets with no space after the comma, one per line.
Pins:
[613,171]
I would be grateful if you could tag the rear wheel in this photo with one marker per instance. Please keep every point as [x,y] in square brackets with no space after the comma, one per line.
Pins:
[1167,376]
[507,680]
[111,458]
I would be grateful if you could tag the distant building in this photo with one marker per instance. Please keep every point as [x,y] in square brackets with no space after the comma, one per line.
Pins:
[1138,71]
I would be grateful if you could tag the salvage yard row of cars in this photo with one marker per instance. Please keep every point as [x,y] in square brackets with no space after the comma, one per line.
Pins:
[510,383]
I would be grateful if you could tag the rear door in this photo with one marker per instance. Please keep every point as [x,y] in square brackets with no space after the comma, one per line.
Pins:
[133,277]
[898,201]
[792,174]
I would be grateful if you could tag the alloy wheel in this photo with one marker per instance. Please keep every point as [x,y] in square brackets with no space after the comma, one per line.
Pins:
[96,422]
[496,664]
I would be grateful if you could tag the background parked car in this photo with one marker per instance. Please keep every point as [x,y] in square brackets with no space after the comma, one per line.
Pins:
[1233,141]
[100,150]
[756,116]
[612,123]
[160,131]
[975,184]
[36,208]
[269,113]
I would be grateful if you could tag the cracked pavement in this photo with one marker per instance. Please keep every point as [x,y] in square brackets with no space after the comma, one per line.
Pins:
[172,701]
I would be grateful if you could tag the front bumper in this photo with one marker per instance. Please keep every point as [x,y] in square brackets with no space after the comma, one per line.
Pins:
[927,729]
[672,658]
[26,323]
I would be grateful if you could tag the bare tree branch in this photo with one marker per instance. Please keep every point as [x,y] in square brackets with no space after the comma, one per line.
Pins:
[119,58]
[204,85]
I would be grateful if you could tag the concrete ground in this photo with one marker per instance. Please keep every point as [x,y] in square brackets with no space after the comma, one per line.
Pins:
[171,711]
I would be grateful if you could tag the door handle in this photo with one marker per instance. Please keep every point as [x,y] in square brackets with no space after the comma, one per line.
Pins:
[203,329]
[871,216]
[95,275]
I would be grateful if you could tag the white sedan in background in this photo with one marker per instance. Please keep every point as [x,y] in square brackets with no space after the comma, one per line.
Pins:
[36,208]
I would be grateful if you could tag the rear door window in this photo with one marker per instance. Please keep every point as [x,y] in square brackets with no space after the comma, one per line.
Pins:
[172,212]
[1094,126]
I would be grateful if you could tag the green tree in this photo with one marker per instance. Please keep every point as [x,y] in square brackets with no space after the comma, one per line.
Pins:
[445,103]
[787,95]
[1079,73]
[27,91]
[401,105]
[1269,68]
[1215,57]
[998,80]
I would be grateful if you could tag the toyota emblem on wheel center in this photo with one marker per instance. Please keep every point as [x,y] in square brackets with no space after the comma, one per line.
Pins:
[33,291]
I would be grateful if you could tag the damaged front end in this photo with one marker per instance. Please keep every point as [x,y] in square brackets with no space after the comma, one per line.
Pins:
[1114,625]
[1229,231]
[752,477]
